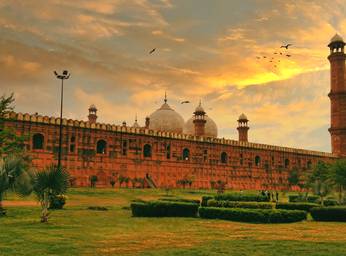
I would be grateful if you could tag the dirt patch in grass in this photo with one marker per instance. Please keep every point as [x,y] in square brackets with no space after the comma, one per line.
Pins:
[20,203]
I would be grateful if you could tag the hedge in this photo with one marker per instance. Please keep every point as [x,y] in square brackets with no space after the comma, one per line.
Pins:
[332,213]
[205,199]
[330,202]
[183,200]
[296,206]
[302,198]
[237,204]
[242,197]
[252,215]
[164,209]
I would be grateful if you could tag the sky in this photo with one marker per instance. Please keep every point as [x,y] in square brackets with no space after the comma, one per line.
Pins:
[205,50]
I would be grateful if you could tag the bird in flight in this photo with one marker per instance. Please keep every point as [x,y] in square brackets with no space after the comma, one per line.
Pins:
[264,57]
[285,46]
[258,57]
[153,50]
[288,55]
[186,101]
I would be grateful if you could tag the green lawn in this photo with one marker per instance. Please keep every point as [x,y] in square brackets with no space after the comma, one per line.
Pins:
[78,231]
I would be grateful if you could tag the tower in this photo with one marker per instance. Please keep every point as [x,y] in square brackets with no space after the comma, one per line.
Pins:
[243,128]
[199,120]
[92,114]
[337,95]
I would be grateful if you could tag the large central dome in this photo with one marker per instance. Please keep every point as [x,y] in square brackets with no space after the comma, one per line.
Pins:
[166,119]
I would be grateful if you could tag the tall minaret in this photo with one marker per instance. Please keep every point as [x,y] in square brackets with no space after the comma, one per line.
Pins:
[243,128]
[92,114]
[337,95]
[199,120]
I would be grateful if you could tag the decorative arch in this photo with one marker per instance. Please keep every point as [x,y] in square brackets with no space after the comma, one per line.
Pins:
[37,141]
[101,147]
[147,152]
[186,154]
[257,160]
[224,158]
[287,163]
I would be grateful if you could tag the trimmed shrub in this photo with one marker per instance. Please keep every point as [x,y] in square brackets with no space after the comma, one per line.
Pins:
[242,197]
[252,215]
[164,209]
[330,202]
[302,198]
[331,213]
[193,201]
[57,202]
[237,204]
[313,199]
[296,206]
[205,199]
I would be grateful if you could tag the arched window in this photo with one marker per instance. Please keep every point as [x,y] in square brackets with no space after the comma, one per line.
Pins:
[101,147]
[186,154]
[224,158]
[37,141]
[257,160]
[168,151]
[287,163]
[309,165]
[147,150]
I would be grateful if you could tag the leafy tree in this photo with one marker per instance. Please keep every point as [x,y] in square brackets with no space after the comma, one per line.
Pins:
[93,180]
[50,182]
[15,175]
[320,181]
[127,181]
[293,177]
[338,176]
[112,182]
[220,186]
[10,142]
[122,180]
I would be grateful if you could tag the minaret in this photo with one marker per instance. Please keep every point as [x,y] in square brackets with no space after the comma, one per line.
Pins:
[92,114]
[199,120]
[337,95]
[243,128]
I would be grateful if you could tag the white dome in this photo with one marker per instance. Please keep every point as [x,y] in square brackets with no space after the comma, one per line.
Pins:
[242,117]
[336,38]
[166,119]
[210,129]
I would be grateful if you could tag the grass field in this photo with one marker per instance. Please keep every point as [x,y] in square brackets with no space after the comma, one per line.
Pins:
[78,231]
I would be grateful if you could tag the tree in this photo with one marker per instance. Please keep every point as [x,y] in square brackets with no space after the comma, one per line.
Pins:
[93,180]
[112,182]
[338,176]
[293,177]
[15,175]
[320,181]
[10,142]
[122,179]
[50,182]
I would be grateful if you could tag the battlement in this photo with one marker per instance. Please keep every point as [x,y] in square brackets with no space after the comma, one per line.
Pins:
[13,116]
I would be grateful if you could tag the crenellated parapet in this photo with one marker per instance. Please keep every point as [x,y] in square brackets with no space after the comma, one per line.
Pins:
[13,116]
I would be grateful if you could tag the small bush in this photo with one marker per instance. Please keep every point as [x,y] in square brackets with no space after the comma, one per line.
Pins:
[237,204]
[252,215]
[329,213]
[164,209]
[330,202]
[205,199]
[2,212]
[313,199]
[194,201]
[97,208]
[296,206]
[302,198]
[57,202]
[241,197]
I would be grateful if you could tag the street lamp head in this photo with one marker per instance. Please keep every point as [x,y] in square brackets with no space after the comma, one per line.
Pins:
[65,72]
[65,75]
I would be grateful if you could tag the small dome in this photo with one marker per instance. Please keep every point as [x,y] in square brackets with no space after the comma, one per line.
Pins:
[210,129]
[92,107]
[135,125]
[336,38]
[166,119]
[242,117]
[199,108]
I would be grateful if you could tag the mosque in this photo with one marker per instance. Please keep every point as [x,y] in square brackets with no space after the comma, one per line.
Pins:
[167,149]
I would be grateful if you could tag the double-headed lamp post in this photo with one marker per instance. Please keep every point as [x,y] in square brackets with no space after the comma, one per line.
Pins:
[65,75]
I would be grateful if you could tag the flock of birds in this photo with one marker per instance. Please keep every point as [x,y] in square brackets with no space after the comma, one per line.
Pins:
[279,53]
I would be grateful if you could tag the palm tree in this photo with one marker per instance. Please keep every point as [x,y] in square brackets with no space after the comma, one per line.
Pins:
[15,175]
[52,181]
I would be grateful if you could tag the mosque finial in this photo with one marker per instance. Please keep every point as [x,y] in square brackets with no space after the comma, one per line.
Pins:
[165,97]
[136,118]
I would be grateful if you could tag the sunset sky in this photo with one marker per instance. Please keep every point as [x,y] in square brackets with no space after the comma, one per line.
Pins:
[204,50]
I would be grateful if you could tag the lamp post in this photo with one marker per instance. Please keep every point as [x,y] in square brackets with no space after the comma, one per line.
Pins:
[65,75]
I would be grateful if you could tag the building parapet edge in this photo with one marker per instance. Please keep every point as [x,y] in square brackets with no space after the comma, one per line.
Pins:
[143,131]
